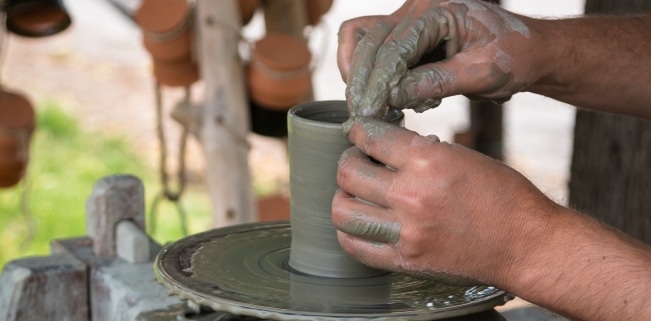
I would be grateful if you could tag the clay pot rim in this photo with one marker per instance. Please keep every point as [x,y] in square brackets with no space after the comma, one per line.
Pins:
[296,113]
[177,73]
[176,32]
[280,74]
[149,18]
[54,26]
[393,116]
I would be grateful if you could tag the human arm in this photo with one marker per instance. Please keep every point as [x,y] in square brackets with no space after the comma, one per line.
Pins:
[463,216]
[598,63]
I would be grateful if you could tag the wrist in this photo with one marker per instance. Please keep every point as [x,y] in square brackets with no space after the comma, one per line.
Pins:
[584,270]
[549,47]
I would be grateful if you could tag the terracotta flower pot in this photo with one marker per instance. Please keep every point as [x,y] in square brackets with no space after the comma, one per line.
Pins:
[161,16]
[16,127]
[36,18]
[247,9]
[279,73]
[177,73]
[316,9]
[166,26]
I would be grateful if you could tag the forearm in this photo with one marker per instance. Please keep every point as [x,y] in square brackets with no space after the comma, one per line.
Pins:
[587,271]
[598,63]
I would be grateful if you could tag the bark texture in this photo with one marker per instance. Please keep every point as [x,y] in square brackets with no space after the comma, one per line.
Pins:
[611,166]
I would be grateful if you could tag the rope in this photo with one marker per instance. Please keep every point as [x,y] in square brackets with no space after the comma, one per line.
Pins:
[166,191]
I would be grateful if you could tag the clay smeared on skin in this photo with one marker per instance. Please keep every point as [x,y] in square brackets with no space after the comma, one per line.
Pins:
[365,227]
[475,7]
[383,77]
[361,67]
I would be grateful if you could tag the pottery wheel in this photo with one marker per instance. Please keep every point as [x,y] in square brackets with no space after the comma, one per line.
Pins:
[243,270]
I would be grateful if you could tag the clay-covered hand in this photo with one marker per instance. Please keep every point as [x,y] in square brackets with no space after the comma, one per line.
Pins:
[438,210]
[430,49]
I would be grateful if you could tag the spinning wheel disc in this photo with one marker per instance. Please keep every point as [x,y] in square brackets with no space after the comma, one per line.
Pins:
[243,270]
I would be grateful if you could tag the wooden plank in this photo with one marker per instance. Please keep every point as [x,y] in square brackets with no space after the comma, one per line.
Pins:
[114,198]
[44,288]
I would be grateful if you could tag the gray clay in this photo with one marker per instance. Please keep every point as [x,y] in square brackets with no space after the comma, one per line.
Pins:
[316,142]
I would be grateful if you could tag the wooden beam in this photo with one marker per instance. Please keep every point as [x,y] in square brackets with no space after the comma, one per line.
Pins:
[225,121]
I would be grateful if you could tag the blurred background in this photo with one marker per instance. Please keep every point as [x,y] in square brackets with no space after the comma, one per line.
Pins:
[93,91]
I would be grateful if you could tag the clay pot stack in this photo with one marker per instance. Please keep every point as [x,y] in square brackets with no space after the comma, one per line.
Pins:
[36,18]
[279,71]
[17,124]
[278,77]
[167,36]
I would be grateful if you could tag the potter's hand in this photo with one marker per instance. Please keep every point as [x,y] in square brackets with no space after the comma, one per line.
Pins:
[387,60]
[442,210]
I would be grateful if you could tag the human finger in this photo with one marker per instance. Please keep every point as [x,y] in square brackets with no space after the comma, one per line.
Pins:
[375,254]
[362,65]
[364,220]
[361,177]
[423,87]
[408,42]
[350,33]
[386,143]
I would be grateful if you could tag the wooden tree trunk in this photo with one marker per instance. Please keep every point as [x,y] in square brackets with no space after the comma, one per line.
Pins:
[611,165]
[225,118]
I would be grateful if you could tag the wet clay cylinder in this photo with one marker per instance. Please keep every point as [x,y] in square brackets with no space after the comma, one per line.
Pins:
[316,141]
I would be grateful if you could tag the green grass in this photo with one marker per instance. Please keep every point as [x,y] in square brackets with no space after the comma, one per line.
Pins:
[65,162]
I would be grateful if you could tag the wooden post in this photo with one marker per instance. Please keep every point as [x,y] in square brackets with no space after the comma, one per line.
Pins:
[225,119]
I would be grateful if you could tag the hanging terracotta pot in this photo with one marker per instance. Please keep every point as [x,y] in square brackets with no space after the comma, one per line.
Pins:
[17,123]
[176,73]
[166,27]
[279,72]
[177,48]
[316,9]
[36,18]
[247,9]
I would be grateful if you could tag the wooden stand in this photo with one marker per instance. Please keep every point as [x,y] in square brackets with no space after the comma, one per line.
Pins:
[224,119]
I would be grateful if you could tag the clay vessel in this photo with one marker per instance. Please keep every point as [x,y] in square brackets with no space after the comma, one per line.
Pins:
[174,49]
[167,35]
[165,26]
[247,9]
[36,18]
[17,123]
[176,73]
[316,9]
[316,141]
[161,16]
[279,73]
